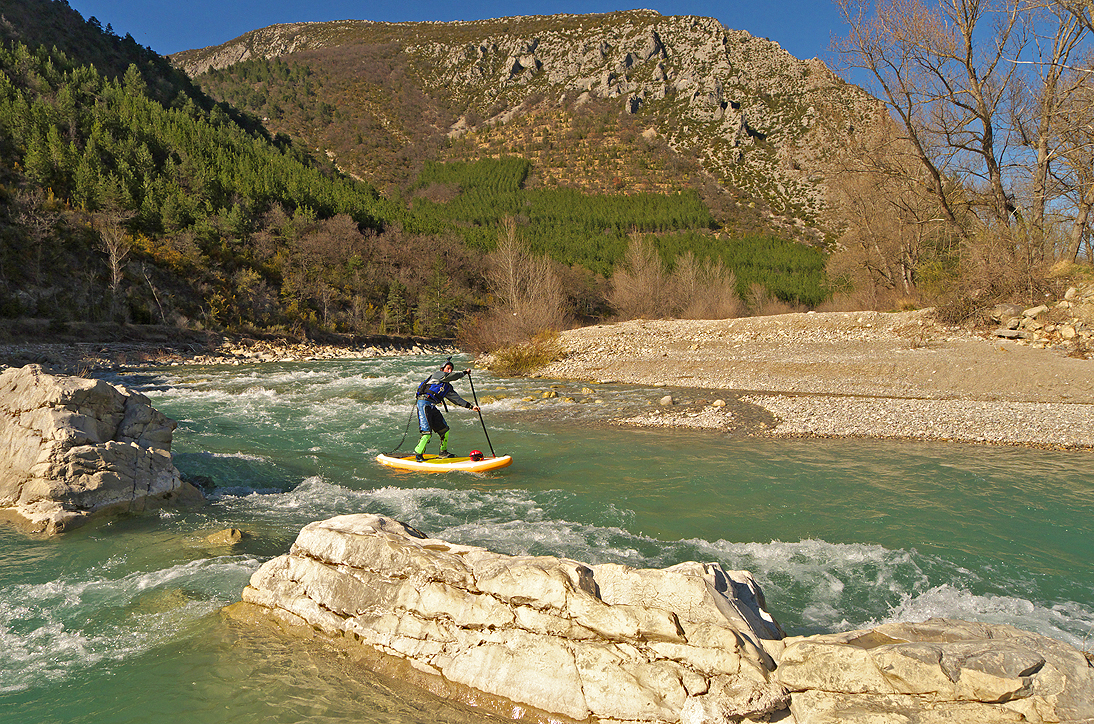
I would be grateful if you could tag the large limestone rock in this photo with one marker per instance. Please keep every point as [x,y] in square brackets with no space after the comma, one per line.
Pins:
[535,637]
[73,447]
[937,671]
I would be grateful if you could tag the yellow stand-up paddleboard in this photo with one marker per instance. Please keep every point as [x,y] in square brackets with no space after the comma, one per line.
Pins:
[434,464]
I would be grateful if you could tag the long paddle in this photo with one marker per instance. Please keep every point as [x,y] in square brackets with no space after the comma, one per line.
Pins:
[476,399]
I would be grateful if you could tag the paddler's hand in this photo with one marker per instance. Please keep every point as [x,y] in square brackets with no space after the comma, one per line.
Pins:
[475,408]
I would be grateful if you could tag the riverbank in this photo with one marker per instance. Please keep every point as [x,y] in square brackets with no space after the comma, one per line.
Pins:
[848,374]
[838,374]
[91,349]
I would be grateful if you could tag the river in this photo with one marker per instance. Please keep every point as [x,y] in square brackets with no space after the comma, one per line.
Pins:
[118,621]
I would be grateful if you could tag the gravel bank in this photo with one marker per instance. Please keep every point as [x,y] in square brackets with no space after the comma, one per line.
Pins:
[84,358]
[860,374]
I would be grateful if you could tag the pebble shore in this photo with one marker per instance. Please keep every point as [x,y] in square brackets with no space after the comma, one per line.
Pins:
[862,375]
[84,358]
[1036,424]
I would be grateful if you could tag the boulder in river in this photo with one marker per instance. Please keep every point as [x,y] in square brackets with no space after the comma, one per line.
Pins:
[530,636]
[937,671]
[72,447]
[544,639]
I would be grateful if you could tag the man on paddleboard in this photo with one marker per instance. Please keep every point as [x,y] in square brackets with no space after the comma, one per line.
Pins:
[433,391]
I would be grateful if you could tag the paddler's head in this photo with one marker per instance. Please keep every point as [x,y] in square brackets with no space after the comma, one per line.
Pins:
[447,366]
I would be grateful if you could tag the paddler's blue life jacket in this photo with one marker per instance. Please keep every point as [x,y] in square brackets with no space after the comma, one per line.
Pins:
[433,389]
[437,388]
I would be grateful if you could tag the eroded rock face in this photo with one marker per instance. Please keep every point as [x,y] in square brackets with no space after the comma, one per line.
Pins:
[691,643]
[937,671]
[72,447]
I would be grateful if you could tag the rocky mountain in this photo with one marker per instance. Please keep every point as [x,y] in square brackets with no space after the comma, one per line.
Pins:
[687,102]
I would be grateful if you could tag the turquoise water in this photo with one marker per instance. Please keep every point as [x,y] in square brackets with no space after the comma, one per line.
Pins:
[118,622]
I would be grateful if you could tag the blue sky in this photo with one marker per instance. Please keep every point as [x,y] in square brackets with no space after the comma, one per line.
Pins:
[802,27]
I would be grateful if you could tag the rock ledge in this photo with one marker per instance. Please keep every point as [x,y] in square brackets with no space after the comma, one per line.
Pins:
[570,641]
[554,640]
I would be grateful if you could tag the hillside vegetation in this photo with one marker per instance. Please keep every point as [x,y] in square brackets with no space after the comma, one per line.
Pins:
[967,183]
[496,179]
[137,198]
[615,103]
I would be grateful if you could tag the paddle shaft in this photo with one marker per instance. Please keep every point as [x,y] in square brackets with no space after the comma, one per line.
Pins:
[476,399]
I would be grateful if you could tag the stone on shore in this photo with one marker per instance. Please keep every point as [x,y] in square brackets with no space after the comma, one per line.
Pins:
[71,448]
[531,636]
[936,671]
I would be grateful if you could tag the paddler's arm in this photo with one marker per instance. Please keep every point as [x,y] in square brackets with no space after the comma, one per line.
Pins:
[455,399]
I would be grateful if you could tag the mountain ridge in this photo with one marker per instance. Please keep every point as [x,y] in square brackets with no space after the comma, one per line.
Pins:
[761,123]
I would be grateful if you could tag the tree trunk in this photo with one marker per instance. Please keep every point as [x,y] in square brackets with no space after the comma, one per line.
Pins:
[1078,226]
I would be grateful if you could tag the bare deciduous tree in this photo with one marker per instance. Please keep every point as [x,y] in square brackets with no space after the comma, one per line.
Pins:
[1076,168]
[705,290]
[528,290]
[1083,10]
[641,286]
[39,221]
[1041,94]
[890,221]
[980,91]
[155,293]
[946,83]
[114,241]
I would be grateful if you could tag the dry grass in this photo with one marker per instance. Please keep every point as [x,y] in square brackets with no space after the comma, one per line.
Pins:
[1081,350]
[527,357]
[916,336]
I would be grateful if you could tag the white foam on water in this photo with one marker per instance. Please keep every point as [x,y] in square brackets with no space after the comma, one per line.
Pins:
[509,404]
[308,379]
[429,508]
[838,587]
[338,411]
[590,544]
[318,406]
[255,407]
[1070,622]
[53,630]
[393,410]
[250,457]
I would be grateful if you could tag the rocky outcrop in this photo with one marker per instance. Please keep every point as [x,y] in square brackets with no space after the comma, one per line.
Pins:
[550,639]
[536,636]
[73,447]
[937,671]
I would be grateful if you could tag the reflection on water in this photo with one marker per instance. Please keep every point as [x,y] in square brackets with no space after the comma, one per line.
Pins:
[118,622]
[228,673]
